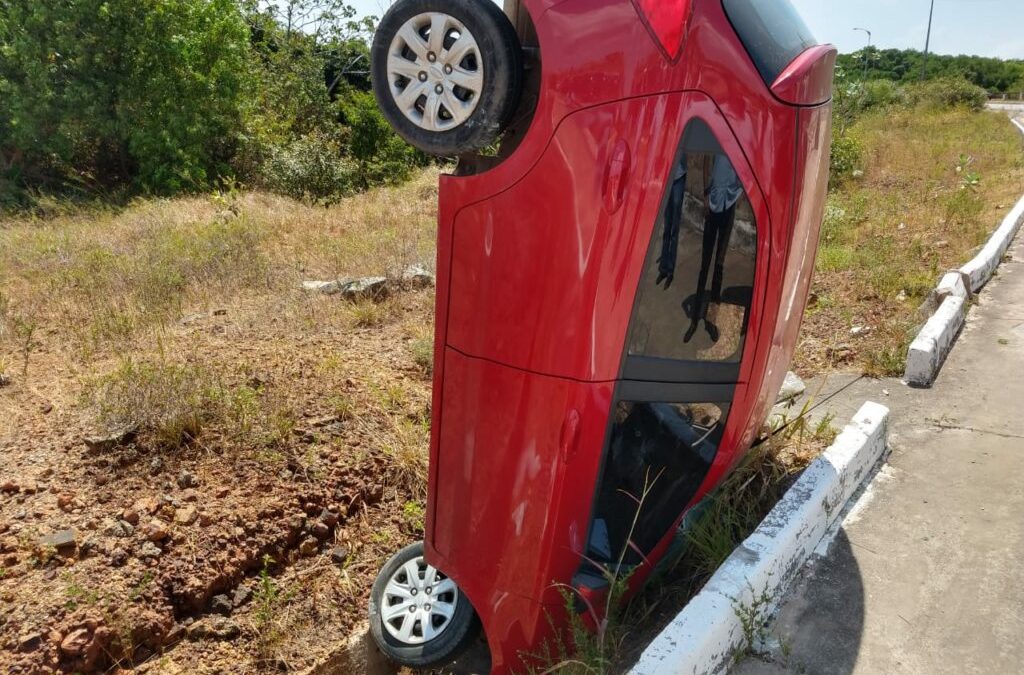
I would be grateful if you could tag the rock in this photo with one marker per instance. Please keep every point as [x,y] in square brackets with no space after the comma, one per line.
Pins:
[150,550]
[106,442]
[9,487]
[308,547]
[243,594]
[370,288]
[47,408]
[220,312]
[30,487]
[114,528]
[339,555]
[5,379]
[860,330]
[187,479]
[901,296]
[75,643]
[321,531]
[792,387]
[221,604]
[373,288]
[328,518]
[156,465]
[29,642]
[417,276]
[155,531]
[214,628]
[65,501]
[64,539]
[119,557]
[130,516]
[186,515]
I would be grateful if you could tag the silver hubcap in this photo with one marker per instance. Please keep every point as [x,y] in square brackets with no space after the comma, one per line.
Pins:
[435,71]
[419,603]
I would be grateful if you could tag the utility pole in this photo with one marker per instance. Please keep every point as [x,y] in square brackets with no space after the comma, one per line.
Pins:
[927,42]
[867,51]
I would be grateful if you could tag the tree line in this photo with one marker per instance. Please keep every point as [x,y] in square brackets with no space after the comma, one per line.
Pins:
[906,65]
[117,97]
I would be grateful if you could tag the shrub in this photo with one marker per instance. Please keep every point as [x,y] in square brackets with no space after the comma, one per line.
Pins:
[311,168]
[947,92]
[881,93]
[847,151]
[382,156]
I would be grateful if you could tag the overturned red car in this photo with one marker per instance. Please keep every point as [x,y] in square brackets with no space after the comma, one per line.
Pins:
[624,254]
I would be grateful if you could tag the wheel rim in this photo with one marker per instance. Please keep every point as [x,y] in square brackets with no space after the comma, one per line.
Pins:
[419,603]
[435,71]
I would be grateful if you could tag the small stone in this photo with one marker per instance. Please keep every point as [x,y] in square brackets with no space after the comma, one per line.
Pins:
[860,330]
[901,296]
[114,528]
[214,628]
[187,479]
[65,501]
[328,518]
[150,550]
[321,531]
[308,547]
[242,595]
[10,487]
[63,539]
[155,531]
[47,408]
[110,440]
[29,641]
[186,515]
[130,516]
[156,465]
[339,555]
[417,276]
[5,379]
[221,604]
[220,312]
[119,557]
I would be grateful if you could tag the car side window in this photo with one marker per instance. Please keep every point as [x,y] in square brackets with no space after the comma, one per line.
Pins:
[695,292]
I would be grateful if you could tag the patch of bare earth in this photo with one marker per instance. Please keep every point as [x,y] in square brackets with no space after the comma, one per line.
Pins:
[203,467]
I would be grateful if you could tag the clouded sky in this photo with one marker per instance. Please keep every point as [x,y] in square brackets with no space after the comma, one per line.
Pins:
[982,27]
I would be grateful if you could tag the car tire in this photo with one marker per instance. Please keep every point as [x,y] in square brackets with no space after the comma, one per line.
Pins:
[447,608]
[450,93]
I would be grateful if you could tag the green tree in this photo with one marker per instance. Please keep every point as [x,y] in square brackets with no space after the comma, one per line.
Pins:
[108,91]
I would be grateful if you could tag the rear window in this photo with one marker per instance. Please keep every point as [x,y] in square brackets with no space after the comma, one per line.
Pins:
[772,32]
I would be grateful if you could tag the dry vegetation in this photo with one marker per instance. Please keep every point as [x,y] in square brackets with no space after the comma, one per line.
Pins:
[252,440]
[935,183]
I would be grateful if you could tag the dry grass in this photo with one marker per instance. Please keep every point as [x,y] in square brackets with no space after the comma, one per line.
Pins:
[101,279]
[935,183]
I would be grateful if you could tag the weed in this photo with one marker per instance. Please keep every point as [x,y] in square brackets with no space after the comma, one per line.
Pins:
[406,444]
[422,351]
[753,618]
[414,513]
[368,314]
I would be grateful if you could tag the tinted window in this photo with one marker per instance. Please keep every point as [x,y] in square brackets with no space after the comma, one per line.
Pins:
[664,450]
[772,31]
[694,298]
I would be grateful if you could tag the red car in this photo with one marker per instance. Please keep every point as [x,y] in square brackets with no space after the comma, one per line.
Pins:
[624,255]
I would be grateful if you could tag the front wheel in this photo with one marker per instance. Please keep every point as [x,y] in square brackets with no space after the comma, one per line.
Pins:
[418,616]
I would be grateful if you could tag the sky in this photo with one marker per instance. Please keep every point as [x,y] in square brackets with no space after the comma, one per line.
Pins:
[979,27]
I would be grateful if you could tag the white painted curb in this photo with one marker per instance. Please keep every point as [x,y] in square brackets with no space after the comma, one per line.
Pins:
[929,349]
[702,639]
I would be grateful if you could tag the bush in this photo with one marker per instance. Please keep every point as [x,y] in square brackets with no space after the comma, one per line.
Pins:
[311,168]
[382,156]
[881,93]
[847,151]
[948,92]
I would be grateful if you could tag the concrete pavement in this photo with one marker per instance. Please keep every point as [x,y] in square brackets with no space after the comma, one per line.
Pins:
[926,576]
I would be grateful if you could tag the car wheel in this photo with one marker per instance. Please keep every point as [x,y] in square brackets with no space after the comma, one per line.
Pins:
[447,74]
[418,616]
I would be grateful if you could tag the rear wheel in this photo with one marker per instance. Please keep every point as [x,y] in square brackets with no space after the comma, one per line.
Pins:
[447,73]
[418,616]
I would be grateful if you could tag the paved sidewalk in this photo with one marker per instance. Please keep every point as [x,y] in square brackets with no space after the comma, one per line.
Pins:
[926,575]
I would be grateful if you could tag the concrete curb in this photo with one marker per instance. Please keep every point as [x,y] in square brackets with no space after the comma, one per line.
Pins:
[929,349]
[703,638]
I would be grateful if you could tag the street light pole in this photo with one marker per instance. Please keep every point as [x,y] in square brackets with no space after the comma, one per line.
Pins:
[866,51]
[927,42]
